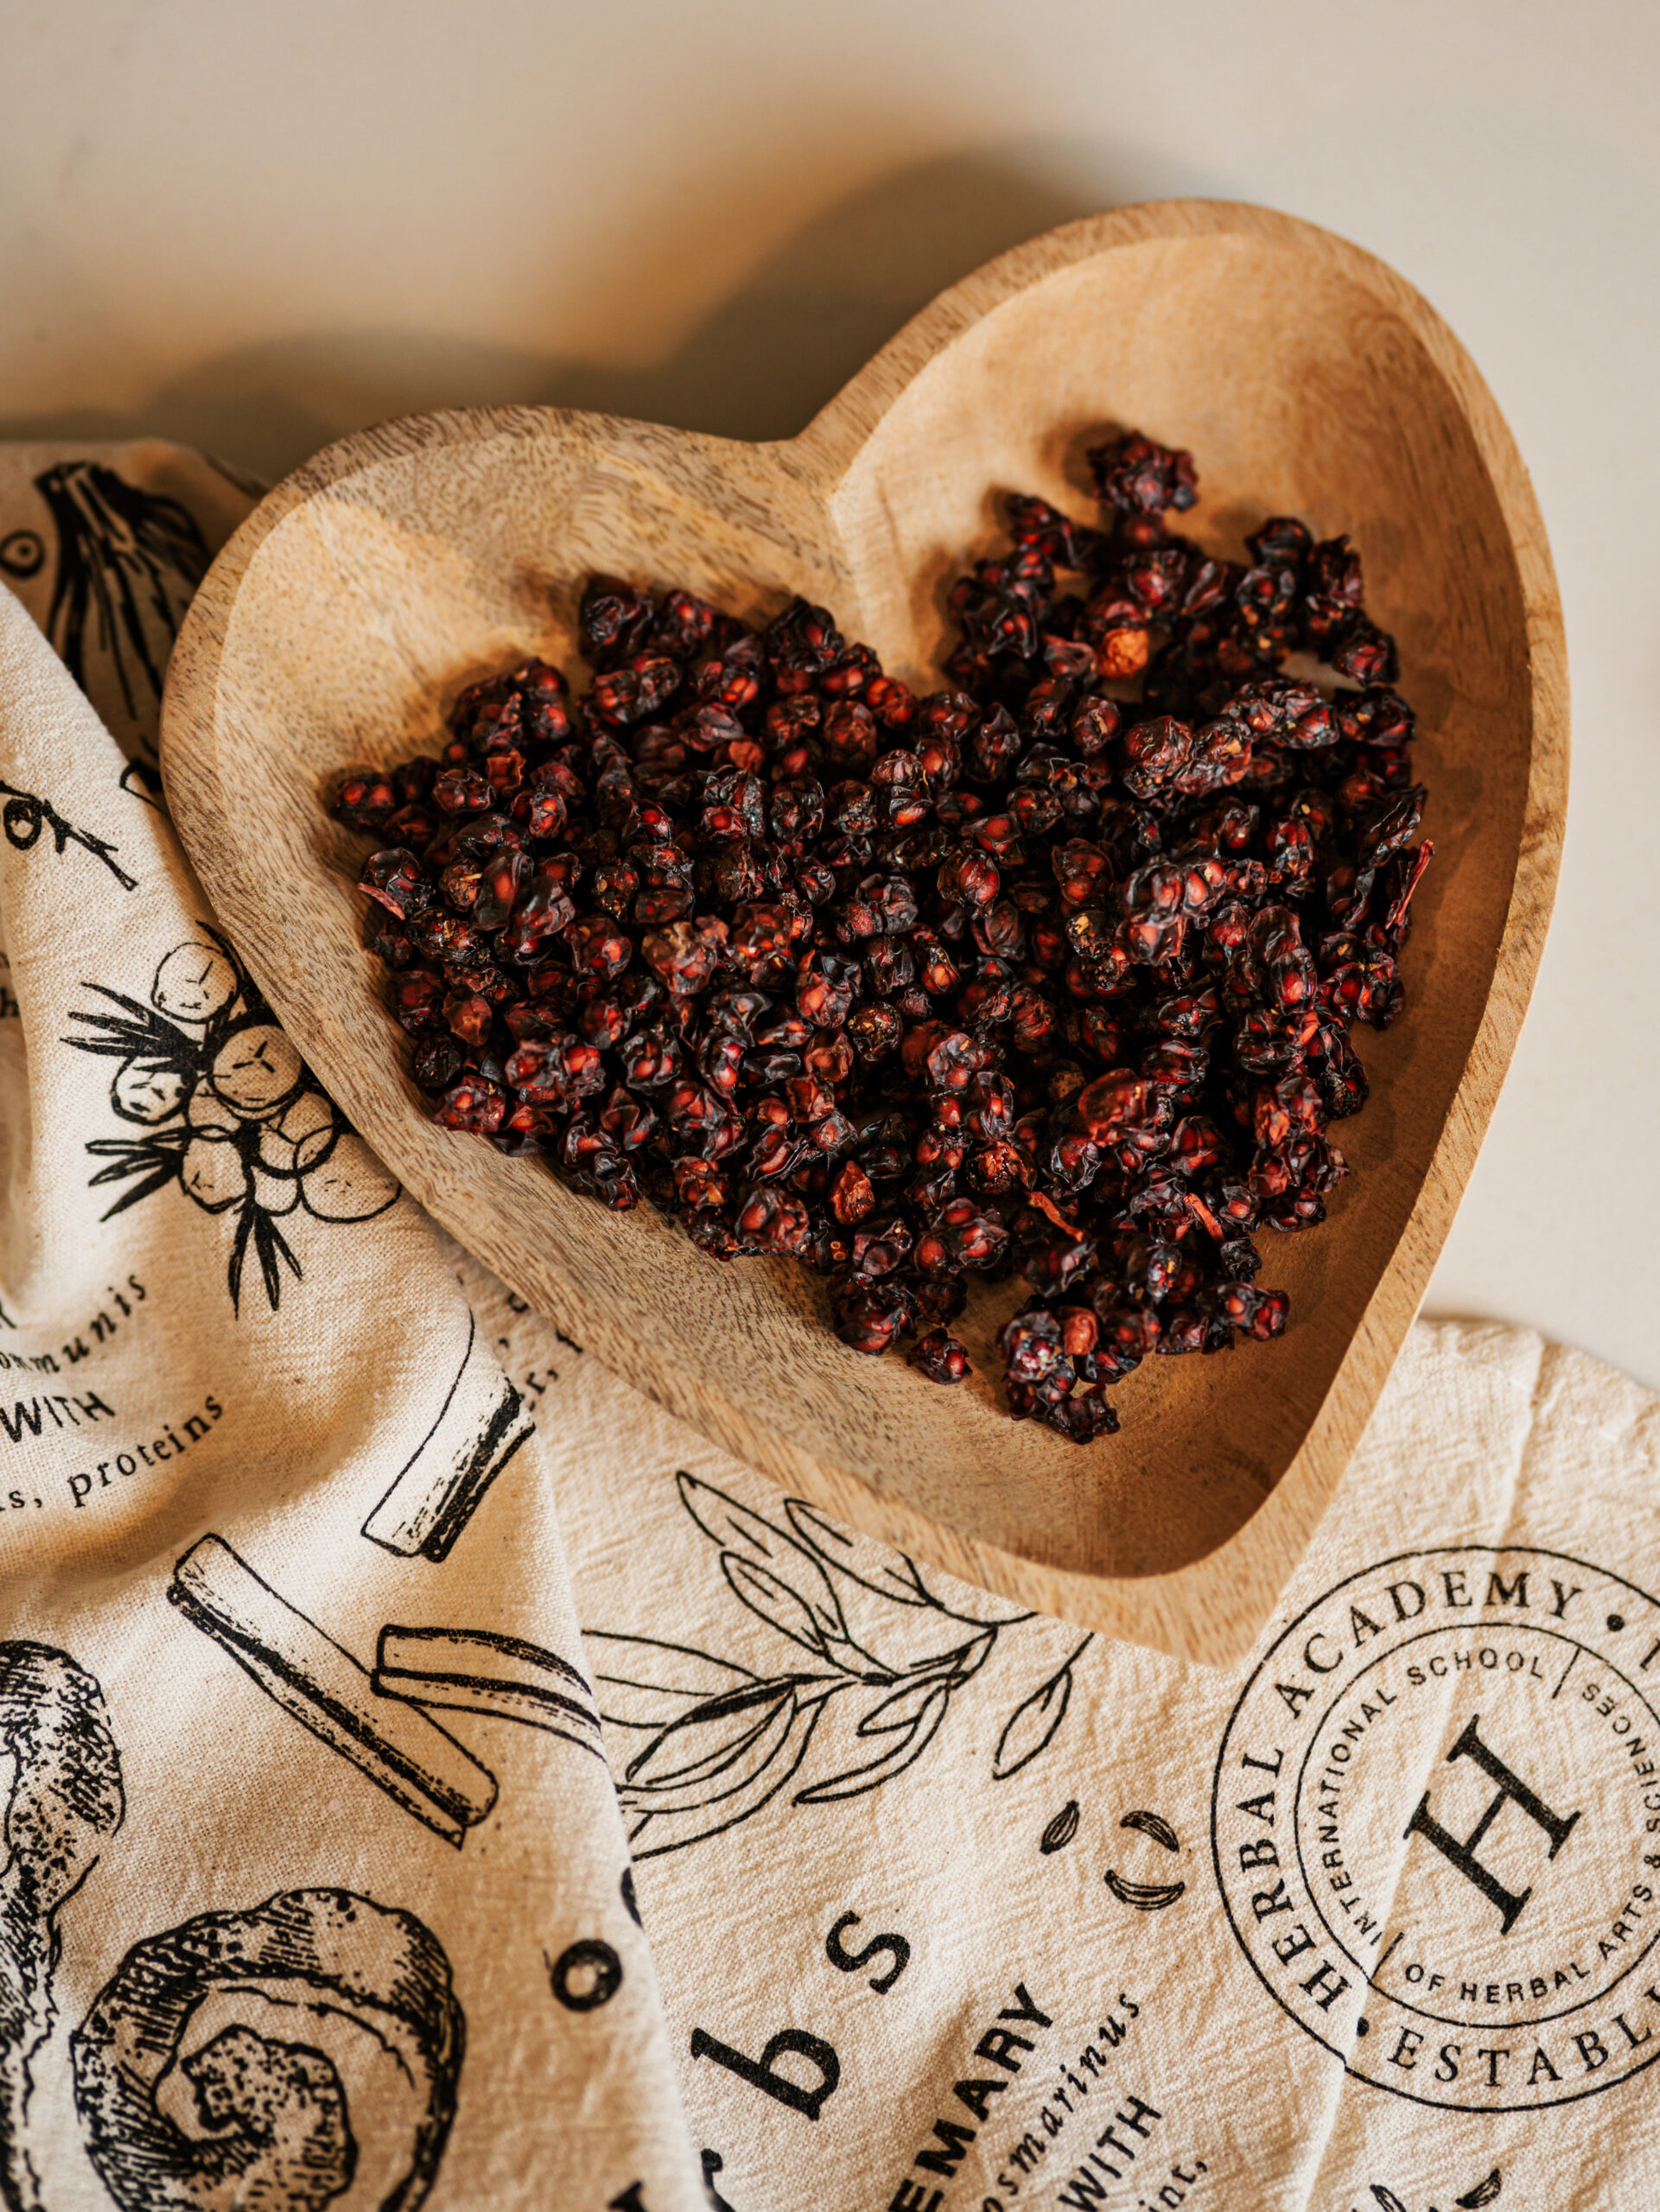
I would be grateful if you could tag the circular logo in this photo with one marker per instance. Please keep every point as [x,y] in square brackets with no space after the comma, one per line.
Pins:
[1436,1826]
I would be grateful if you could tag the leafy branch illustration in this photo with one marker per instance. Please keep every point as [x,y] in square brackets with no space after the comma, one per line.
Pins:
[881,1651]
[229,1110]
[26,814]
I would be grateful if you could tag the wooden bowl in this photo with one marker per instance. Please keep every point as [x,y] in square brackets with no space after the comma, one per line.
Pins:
[1308,378]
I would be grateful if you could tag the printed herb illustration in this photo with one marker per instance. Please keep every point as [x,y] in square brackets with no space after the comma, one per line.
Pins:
[230,1112]
[25,814]
[881,1652]
[129,561]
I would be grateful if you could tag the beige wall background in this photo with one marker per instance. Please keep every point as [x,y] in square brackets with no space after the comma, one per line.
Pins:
[255,226]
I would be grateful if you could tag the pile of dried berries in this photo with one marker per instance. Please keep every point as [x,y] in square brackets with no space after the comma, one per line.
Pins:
[1028,976]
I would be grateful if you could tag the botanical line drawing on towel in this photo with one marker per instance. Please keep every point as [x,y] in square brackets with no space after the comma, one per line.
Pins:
[1485,2192]
[229,1111]
[66,1802]
[278,2125]
[318,1683]
[476,1431]
[886,1653]
[129,563]
[480,1670]
[25,814]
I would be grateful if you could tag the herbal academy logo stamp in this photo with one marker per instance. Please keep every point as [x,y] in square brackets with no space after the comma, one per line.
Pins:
[1436,1826]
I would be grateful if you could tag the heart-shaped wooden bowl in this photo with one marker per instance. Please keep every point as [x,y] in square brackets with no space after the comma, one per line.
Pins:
[1308,378]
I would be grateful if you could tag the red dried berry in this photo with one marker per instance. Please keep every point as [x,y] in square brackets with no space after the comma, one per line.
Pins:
[940,1357]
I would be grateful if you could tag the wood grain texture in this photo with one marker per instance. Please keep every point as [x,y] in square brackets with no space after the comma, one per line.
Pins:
[1306,377]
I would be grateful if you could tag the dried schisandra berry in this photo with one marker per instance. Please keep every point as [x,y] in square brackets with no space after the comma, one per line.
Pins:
[1053,974]
[939,1356]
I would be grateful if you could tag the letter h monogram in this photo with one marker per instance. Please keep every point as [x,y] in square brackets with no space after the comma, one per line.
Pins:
[1462,1853]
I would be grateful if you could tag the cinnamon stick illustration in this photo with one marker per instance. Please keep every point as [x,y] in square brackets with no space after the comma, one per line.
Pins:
[478,1670]
[326,1691]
